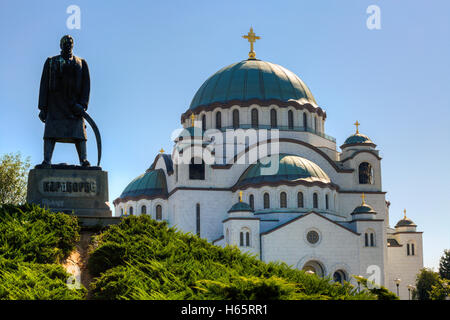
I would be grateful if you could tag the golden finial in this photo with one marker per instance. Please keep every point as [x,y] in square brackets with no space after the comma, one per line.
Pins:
[251,37]
[192,119]
[363,197]
[357,125]
[404,213]
[161,151]
[240,196]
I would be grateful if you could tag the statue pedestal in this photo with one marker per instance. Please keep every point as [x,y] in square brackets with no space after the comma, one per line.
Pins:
[65,188]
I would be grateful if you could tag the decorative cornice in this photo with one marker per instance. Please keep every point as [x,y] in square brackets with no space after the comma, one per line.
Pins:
[409,232]
[363,144]
[140,197]
[356,220]
[302,216]
[361,151]
[198,189]
[263,103]
[294,141]
[362,191]
[319,184]
[240,218]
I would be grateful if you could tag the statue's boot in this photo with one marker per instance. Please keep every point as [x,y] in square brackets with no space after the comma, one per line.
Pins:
[82,154]
[49,146]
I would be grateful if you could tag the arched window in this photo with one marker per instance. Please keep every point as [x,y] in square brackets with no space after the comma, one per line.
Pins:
[197,218]
[204,122]
[300,203]
[244,238]
[315,124]
[266,201]
[121,211]
[197,169]
[255,120]
[251,199]
[273,118]
[144,210]
[305,121]
[227,237]
[291,119]
[235,118]
[326,202]
[410,249]
[339,276]
[365,173]
[369,239]
[218,120]
[130,211]
[315,201]
[158,212]
[283,200]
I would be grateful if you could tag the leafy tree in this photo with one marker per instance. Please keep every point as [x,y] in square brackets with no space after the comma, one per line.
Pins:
[440,291]
[425,281]
[13,178]
[444,265]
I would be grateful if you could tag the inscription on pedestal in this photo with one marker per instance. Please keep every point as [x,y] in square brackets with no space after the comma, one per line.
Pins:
[78,190]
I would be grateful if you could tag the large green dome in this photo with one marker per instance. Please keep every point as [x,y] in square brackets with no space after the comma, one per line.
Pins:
[252,79]
[291,169]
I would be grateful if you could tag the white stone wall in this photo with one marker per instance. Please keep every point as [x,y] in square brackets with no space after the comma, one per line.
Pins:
[337,248]
[232,229]
[404,267]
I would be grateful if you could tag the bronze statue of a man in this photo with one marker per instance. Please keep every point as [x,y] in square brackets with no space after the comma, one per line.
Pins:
[63,97]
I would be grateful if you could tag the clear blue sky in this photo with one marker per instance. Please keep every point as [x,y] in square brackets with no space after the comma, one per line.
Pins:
[148,58]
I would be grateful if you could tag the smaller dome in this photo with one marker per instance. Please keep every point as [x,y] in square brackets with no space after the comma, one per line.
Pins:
[241,207]
[363,209]
[405,222]
[152,183]
[358,138]
[291,169]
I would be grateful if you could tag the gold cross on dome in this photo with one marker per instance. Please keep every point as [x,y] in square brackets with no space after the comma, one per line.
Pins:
[161,151]
[240,196]
[404,213]
[192,119]
[357,124]
[251,37]
[363,197]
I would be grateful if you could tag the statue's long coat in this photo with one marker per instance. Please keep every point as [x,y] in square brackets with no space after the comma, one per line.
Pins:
[63,84]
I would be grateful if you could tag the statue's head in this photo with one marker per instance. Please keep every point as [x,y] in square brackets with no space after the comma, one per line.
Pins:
[66,43]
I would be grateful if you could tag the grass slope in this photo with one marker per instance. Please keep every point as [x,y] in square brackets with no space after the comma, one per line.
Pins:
[33,241]
[143,259]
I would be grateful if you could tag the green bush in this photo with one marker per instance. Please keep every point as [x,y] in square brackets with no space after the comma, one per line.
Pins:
[32,243]
[30,281]
[32,234]
[143,259]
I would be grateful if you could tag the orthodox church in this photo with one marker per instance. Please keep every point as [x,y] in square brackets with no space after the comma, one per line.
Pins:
[253,167]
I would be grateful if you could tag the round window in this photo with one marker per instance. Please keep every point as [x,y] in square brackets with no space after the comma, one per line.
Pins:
[312,237]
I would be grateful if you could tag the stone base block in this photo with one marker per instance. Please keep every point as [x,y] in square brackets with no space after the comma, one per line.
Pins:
[70,189]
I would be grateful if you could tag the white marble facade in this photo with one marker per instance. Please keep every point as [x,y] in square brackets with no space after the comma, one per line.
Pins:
[338,234]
